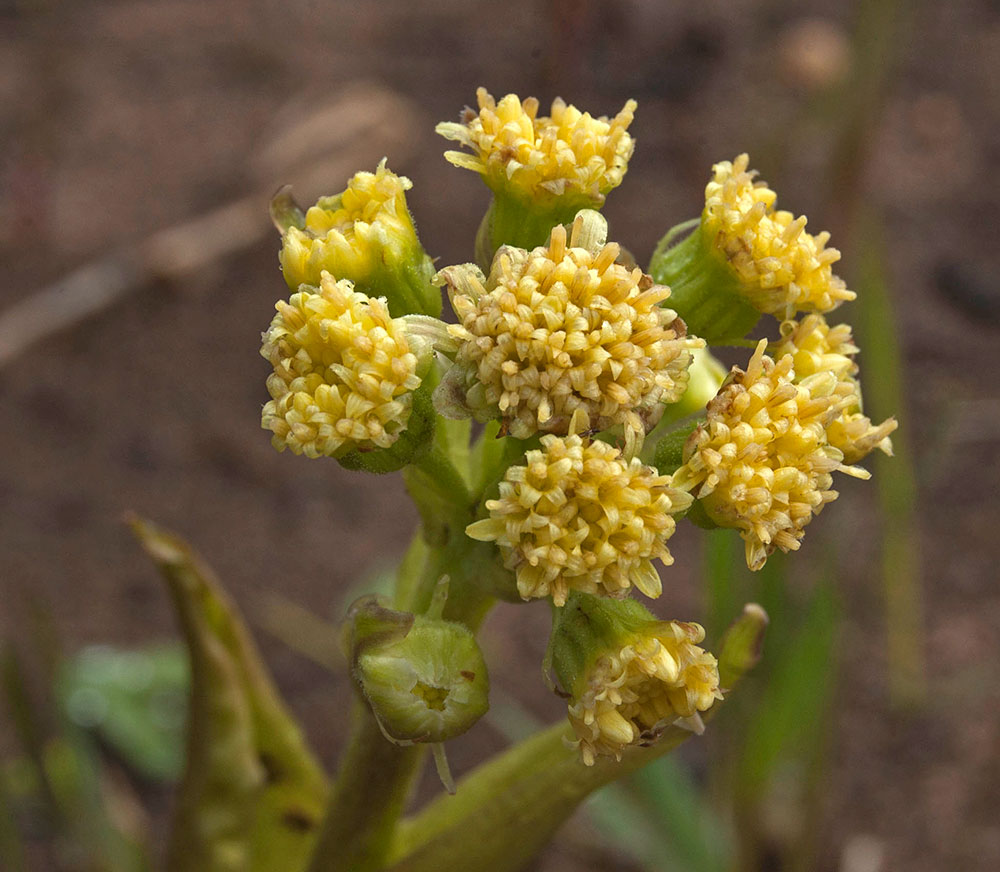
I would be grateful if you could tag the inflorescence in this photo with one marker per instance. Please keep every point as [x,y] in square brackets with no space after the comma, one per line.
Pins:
[577,354]
[579,516]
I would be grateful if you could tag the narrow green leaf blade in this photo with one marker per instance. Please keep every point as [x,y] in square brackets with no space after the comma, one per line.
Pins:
[689,835]
[789,715]
[252,794]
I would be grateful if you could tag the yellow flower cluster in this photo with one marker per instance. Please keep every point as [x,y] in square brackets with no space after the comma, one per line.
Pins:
[762,461]
[781,267]
[566,339]
[660,675]
[568,154]
[578,516]
[816,347]
[343,373]
[353,234]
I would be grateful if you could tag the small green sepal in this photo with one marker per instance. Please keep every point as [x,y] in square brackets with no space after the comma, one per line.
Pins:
[704,290]
[586,628]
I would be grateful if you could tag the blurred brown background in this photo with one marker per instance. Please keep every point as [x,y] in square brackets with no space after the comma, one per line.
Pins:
[120,120]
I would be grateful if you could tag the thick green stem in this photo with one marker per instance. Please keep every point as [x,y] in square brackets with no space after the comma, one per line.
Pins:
[439,491]
[443,478]
[507,809]
[376,776]
[371,790]
[473,573]
[410,572]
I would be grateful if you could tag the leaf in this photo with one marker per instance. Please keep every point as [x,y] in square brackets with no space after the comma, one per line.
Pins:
[252,793]
[136,701]
[94,817]
[689,835]
[882,373]
[790,712]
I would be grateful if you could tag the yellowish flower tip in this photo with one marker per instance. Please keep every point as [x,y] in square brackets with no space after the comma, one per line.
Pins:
[579,516]
[762,462]
[566,339]
[567,154]
[353,234]
[632,695]
[783,269]
[816,347]
[344,372]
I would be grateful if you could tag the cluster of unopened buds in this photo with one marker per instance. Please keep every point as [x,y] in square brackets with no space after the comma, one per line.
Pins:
[556,429]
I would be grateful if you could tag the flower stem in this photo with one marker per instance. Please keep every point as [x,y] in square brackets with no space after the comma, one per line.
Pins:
[439,492]
[507,809]
[510,221]
[372,787]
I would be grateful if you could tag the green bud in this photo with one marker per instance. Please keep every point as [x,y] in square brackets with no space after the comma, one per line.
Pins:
[424,678]
[742,644]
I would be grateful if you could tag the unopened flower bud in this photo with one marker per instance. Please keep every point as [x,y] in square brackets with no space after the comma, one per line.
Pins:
[424,678]
[365,235]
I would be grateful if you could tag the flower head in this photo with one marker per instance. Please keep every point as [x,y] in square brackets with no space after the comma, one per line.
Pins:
[579,516]
[816,347]
[564,338]
[569,154]
[656,677]
[366,235]
[344,372]
[780,266]
[762,461]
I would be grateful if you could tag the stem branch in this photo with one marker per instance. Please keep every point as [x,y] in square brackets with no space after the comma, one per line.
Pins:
[371,789]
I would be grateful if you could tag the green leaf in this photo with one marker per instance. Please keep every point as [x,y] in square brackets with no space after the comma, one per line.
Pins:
[689,835]
[882,375]
[136,701]
[789,715]
[94,817]
[252,793]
